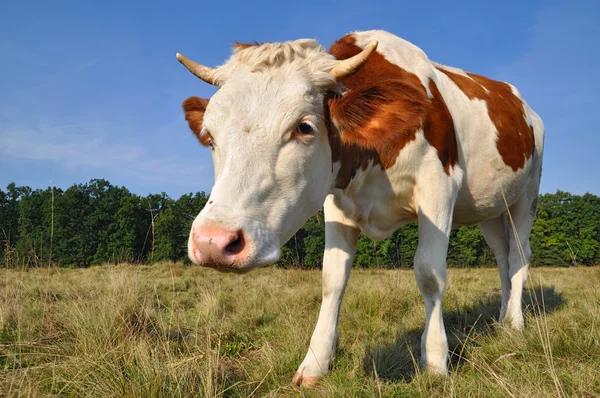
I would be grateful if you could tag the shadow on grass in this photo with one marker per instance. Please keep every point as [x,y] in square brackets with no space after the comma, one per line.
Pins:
[399,360]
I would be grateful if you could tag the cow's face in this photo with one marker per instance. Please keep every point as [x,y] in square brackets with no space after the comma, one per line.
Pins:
[272,160]
[272,164]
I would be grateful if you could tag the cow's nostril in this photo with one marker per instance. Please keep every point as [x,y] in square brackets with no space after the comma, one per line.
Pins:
[237,245]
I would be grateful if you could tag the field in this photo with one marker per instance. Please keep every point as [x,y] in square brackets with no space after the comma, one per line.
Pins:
[171,330]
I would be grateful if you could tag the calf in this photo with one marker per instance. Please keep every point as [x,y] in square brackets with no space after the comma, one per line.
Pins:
[380,136]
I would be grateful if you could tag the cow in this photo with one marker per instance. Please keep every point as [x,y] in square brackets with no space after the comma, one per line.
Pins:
[377,135]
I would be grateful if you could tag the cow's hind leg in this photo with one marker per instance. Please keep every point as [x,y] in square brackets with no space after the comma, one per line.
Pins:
[341,236]
[495,232]
[522,215]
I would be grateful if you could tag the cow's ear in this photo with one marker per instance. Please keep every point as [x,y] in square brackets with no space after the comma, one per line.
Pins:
[194,108]
[386,113]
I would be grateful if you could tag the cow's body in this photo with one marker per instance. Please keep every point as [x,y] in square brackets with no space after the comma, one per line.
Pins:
[412,140]
[483,181]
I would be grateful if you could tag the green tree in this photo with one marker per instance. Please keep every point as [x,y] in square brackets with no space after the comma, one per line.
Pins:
[105,202]
[98,222]
[566,228]
[185,211]
[405,242]
[168,240]
[71,234]
[466,246]
[35,215]
[10,222]
[127,240]
[372,253]
[313,240]
[305,248]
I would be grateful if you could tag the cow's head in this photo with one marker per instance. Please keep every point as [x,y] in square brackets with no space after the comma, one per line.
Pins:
[272,158]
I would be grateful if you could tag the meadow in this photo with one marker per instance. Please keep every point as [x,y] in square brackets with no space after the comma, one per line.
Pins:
[175,330]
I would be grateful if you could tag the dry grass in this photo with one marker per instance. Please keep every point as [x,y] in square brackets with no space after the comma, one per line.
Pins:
[169,330]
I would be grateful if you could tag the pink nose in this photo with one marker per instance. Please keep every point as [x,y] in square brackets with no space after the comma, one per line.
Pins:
[217,246]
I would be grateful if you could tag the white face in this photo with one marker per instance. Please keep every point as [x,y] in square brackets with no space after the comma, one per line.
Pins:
[272,164]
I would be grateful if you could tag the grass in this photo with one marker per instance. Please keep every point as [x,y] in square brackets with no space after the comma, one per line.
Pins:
[171,330]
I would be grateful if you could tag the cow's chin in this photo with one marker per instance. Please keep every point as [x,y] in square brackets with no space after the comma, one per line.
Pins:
[266,256]
[238,271]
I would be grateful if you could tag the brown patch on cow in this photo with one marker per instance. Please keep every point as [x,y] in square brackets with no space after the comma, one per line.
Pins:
[351,156]
[382,117]
[515,141]
[194,108]
[382,112]
[376,69]
[439,129]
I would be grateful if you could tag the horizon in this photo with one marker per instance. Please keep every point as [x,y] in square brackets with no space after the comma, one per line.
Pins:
[98,93]
[202,192]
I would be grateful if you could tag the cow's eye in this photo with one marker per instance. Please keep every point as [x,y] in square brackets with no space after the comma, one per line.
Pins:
[206,139]
[304,128]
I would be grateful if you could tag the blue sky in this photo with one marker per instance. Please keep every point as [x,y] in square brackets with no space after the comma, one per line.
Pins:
[93,89]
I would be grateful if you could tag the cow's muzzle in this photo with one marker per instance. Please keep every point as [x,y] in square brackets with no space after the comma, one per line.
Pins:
[218,247]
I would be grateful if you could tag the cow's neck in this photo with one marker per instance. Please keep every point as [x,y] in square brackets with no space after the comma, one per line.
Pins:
[347,158]
[358,172]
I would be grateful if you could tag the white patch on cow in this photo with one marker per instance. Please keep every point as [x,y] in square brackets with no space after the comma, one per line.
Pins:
[530,115]
[460,72]
[382,201]
[452,69]
[479,159]
[514,90]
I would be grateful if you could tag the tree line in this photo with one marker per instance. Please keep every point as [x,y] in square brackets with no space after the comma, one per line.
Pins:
[97,223]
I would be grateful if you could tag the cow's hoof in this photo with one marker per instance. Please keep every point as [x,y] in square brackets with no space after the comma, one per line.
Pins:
[306,381]
[516,323]
[436,371]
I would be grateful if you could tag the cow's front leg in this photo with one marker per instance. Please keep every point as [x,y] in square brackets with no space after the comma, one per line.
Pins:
[435,222]
[341,236]
[430,272]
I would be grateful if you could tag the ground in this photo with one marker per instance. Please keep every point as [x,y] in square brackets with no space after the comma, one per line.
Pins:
[173,330]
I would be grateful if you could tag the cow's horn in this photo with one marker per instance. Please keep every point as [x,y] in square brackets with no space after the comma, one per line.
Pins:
[348,66]
[200,71]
